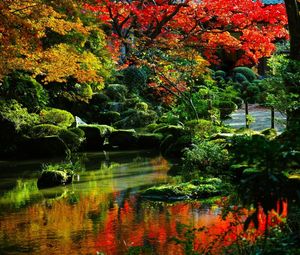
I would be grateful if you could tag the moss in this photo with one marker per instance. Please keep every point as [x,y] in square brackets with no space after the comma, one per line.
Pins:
[72,139]
[57,117]
[198,189]
[43,130]
[116,92]
[141,106]
[171,130]
[270,133]
[109,117]
[95,136]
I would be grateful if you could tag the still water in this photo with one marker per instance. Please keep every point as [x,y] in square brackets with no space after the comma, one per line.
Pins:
[100,213]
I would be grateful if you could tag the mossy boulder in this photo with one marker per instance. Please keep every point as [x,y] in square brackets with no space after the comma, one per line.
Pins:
[173,146]
[133,118]
[52,178]
[116,92]
[124,139]
[57,117]
[270,133]
[174,130]
[149,141]
[108,118]
[43,147]
[198,189]
[95,136]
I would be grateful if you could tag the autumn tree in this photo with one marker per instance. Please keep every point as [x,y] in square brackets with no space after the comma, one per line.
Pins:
[51,40]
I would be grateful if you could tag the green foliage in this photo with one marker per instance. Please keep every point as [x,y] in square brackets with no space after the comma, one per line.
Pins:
[226,108]
[141,106]
[116,92]
[246,72]
[135,79]
[206,157]
[57,117]
[12,111]
[83,91]
[108,118]
[43,130]
[72,138]
[201,128]
[25,90]
[282,86]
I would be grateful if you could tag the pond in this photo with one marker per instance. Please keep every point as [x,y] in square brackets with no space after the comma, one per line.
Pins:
[100,213]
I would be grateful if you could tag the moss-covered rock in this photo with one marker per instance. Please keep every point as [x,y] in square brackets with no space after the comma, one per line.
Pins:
[270,133]
[95,136]
[116,92]
[173,146]
[124,139]
[198,189]
[149,141]
[43,130]
[43,147]
[176,131]
[52,178]
[133,118]
[108,118]
[57,117]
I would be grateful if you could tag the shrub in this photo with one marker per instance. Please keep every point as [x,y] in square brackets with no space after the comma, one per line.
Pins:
[12,111]
[226,108]
[245,71]
[201,128]
[58,117]
[220,73]
[43,130]
[83,91]
[26,90]
[240,77]
[205,158]
[141,106]
[134,78]
[116,92]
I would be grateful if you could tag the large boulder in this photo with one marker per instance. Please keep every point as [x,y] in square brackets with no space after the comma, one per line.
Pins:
[95,136]
[52,178]
[123,139]
[149,141]
[43,147]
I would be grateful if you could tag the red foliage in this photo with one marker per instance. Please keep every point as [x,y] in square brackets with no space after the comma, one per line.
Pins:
[246,29]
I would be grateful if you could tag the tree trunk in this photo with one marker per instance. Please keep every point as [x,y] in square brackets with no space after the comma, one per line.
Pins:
[246,113]
[292,9]
[272,117]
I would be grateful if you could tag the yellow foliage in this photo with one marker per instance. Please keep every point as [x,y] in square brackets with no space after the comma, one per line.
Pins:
[23,27]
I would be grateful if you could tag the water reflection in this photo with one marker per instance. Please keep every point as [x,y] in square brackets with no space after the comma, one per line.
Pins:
[100,213]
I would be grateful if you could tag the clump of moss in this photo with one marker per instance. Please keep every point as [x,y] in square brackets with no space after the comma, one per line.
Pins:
[201,188]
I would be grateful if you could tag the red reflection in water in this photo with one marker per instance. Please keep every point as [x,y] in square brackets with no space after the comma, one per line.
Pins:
[156,225]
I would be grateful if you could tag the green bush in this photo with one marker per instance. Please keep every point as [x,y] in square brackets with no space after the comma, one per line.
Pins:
[25,90]
[83,91]
[134,78]
[57,117]
[220,73]
[202,128]
[141,106]
[43,130]
[12,111]
[226,108]
[246,72]
[205,158]
[240,77]
[116,92]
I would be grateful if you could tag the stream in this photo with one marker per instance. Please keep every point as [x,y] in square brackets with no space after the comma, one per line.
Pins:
[100,213]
